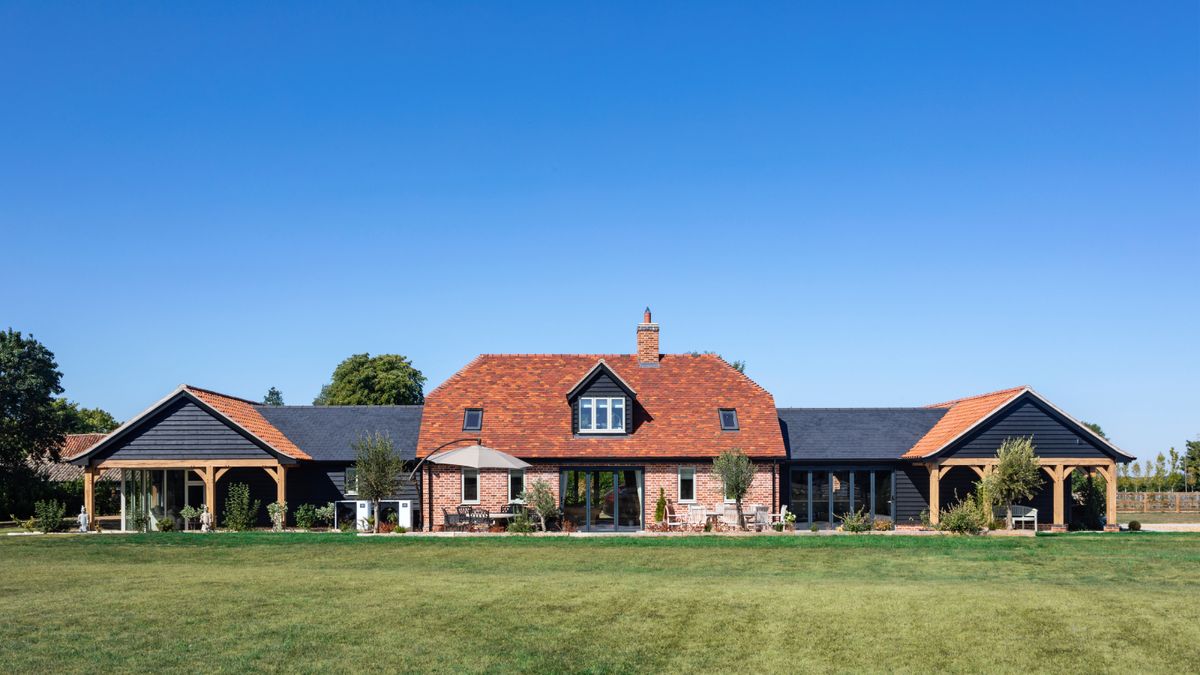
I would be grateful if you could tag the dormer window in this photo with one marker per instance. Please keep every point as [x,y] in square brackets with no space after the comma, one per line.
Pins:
[729,420]
[602,415]
[473,419]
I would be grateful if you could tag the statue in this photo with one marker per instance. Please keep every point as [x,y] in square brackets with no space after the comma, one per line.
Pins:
[205,519]
[83,519]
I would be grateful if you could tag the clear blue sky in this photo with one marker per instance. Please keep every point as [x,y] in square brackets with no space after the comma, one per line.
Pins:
[885,205]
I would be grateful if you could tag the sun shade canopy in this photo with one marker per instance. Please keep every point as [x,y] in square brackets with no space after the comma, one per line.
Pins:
[478,457]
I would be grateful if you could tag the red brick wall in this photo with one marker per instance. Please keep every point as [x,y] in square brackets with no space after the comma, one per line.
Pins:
[493,486]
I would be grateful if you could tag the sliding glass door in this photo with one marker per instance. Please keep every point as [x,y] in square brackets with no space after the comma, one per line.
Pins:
[603,500]
[824,496]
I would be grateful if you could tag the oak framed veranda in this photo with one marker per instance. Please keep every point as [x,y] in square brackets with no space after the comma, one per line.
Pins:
[1059,470]
[209,471]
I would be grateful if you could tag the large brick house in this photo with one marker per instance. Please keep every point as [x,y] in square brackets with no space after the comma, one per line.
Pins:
[607,433]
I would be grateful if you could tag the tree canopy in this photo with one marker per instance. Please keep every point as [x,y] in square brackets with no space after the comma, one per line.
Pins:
[30,422]
[273,397]
[385,379]
[80,420]
[1096,429]
[739,366]
[736,472]
[1017,474]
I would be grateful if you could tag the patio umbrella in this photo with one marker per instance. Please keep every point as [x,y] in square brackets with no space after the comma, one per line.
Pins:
[478,457]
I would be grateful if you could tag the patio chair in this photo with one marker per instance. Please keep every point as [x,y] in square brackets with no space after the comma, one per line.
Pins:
[729,516]
[454,522]
[513,508]
[676,519]
[696,515]
[480,519]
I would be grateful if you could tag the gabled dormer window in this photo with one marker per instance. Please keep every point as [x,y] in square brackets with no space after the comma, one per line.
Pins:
[729,421]
[602,415]
[472,419]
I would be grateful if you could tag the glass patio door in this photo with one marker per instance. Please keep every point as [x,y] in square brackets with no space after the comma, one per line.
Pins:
[603,500]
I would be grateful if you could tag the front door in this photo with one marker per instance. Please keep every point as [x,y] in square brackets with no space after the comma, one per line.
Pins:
[603,500]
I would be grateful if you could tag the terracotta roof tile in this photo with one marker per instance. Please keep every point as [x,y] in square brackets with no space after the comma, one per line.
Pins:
[526,412]
[961,414]
[245,415]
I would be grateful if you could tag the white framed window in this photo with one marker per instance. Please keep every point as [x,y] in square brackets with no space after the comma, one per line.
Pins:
[350,486]
[687,484]
[602,415]
[516,486]
[470,486]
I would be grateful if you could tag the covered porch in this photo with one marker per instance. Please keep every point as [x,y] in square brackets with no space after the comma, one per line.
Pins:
[155,489]
[1058,469]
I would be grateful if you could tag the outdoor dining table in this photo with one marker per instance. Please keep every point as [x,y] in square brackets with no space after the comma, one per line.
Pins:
[502,516]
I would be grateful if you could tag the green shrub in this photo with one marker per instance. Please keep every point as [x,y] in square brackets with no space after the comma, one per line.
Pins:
[27,524]
[306,516]
[166,524]
[813,528]
[857,521]
[660,507]
[326,513]
[48,515]
[1135,526]
[520,524]
[883,525]
[240,512]
[965,517]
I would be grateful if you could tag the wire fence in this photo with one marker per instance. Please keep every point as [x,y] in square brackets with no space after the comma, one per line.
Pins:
[1158,502]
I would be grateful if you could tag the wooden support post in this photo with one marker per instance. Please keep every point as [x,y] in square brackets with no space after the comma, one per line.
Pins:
[1110,488]
[935,501]
[210,489]
[281,484]
[89,495]
[1059,524]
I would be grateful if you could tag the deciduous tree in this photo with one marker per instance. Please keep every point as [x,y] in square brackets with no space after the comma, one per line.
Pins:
[362,379]
[1017,474]
[378,466]
[79,420]
[736,472]
[30,423]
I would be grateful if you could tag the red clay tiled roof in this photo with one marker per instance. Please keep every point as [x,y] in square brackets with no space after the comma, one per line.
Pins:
[73,445]
[244,414]
[961,414]
[526,412]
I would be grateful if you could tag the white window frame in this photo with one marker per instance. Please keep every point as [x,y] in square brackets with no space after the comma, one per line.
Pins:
[608,407]
[348,488]
[516,499]
[679,484]
[462,494]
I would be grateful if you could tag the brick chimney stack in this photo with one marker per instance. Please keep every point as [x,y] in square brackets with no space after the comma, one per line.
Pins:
[647,342]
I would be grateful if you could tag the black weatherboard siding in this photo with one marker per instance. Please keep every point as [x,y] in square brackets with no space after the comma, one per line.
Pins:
[184,430]
[328,433]
[854,434]
[912,494]
[1052,434]
[603,385]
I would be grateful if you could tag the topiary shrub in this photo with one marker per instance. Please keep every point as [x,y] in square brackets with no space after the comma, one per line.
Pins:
[189,514]
[660,507]
[240,512]
[1135,526]
[48,515]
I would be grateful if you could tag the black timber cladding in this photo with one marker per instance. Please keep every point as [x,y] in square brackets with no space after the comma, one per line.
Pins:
[602,384]
[854,434]
[1052,434]
[328,433]
[184,430]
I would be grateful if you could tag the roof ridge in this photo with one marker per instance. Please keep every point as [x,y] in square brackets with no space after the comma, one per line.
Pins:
[217,393]
[946,404]
[354,405]
[911,408]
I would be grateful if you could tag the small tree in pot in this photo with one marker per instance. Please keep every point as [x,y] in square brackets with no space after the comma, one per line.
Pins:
[378,468]
[736,472]
[539,497]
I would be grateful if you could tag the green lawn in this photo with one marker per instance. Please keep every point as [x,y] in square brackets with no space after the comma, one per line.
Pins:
[1159,517]
[299,602]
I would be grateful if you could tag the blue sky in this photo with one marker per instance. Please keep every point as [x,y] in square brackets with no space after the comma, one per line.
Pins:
[885,205]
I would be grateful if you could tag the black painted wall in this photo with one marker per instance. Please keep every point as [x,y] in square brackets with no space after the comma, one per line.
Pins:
[1051,434]
[183,430]
[912,494]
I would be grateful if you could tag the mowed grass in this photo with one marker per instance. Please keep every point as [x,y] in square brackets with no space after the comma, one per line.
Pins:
[302,602]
